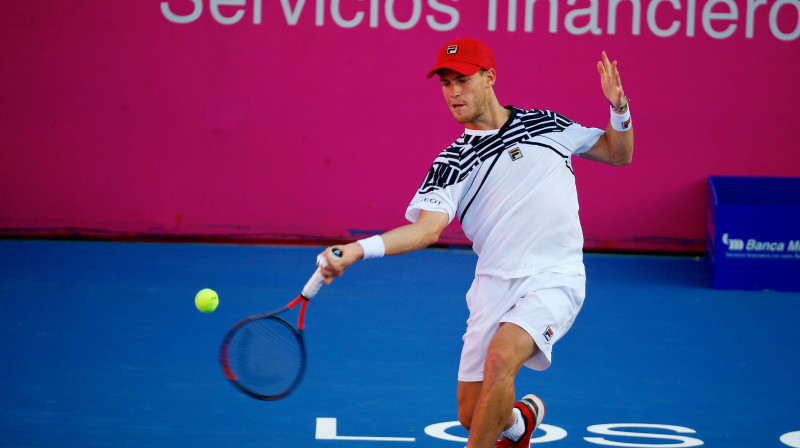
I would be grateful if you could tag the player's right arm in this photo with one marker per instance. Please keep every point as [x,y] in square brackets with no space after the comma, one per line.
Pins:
[415,236]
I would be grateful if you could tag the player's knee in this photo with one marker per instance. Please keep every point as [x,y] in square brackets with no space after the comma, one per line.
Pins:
[465,419]
[465,410]
[467,401]
[499,365]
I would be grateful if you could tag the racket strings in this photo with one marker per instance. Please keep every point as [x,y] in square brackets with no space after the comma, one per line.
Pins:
[266,356]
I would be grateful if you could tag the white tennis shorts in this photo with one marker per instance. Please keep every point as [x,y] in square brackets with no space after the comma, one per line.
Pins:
[544,305]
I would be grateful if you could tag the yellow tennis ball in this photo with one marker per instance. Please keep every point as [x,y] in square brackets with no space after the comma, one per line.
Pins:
[206,300]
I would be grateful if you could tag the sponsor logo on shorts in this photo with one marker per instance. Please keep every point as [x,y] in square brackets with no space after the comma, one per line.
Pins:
[548,334]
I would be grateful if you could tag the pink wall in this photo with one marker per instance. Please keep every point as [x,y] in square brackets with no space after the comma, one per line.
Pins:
[314,118]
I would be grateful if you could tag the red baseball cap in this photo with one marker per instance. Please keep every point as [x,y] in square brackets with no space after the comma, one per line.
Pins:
[465,56]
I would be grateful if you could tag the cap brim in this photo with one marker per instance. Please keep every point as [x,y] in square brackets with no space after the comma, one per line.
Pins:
[459,67]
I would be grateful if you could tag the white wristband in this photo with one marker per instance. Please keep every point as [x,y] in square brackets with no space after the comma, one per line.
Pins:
[373,247]
[621,122]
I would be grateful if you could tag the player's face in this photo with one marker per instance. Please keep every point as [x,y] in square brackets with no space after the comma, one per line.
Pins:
[466,96]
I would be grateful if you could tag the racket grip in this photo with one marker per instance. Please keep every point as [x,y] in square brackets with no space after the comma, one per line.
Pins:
[316,281]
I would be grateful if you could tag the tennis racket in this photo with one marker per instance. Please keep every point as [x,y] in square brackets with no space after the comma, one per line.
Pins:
[264,355]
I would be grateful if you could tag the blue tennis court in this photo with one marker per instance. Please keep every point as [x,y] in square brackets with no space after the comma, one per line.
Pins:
[103,347]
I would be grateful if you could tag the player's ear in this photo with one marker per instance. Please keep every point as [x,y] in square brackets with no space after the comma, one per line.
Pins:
[491,77]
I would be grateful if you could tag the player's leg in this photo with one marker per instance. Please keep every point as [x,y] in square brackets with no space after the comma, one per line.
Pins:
[509,349]
[468,392]
[485,313]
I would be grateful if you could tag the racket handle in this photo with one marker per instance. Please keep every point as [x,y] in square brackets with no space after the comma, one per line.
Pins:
[316,281]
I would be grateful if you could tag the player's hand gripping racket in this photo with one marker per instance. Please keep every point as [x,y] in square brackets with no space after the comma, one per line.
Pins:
[264,355]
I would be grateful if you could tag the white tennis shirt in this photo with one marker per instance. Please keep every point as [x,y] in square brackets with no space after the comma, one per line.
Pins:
[514,192]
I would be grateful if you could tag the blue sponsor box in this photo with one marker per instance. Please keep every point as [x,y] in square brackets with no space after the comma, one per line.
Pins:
[753,232]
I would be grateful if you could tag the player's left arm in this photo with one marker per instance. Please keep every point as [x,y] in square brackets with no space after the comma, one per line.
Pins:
[613,147]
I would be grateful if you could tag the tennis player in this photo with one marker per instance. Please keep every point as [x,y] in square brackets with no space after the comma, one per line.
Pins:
[510,181]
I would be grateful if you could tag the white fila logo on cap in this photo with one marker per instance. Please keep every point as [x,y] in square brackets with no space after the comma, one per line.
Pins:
[452,49]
